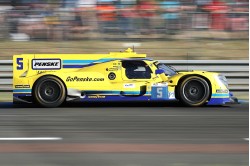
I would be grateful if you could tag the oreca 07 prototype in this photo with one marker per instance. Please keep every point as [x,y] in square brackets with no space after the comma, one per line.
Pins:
[52,79]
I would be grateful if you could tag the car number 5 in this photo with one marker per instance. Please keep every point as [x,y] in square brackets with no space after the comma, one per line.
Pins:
[19,62]
[159,92]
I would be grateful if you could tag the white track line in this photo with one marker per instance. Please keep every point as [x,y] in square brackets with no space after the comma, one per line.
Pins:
[246,139]
[30,139]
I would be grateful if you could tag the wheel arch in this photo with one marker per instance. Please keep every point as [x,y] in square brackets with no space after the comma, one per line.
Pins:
[190,75]
[32,90]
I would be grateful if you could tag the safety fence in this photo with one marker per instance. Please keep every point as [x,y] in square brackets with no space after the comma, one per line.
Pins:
[236,71]
[136,23]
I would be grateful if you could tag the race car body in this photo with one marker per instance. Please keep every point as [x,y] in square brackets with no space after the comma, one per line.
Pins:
[52,79]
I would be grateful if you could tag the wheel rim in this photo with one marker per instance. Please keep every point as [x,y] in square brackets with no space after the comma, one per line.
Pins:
[49,91]
[195,91]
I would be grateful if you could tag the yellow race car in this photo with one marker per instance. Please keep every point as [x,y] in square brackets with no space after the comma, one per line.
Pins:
[52,79]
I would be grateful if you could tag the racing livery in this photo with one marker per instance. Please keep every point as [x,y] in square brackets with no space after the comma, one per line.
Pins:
[52,79]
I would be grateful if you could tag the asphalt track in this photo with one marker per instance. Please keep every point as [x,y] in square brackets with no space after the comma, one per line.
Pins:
[124,134]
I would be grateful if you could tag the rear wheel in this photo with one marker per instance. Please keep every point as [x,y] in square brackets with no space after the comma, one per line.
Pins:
[49,91]
[194,91]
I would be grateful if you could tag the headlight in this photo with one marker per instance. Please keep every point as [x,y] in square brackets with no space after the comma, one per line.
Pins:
[223,79]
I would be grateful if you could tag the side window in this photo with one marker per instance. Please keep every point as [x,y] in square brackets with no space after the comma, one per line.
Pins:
[136,70]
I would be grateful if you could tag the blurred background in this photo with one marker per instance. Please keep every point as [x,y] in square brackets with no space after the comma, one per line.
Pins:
[125,134]
[164,29]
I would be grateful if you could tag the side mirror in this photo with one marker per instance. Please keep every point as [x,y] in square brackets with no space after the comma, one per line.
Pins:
[159,71]
[162,74]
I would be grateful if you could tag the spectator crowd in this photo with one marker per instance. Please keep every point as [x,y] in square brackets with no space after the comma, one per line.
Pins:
[77,19]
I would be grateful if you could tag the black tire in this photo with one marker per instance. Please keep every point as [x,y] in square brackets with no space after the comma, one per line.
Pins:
[194,91]
[49,91]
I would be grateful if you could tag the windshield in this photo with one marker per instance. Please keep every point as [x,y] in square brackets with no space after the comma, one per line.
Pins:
[168,70]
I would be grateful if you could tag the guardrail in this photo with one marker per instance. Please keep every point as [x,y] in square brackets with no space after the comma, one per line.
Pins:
[236,71]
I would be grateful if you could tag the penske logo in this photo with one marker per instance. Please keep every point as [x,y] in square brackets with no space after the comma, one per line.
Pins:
[46,64]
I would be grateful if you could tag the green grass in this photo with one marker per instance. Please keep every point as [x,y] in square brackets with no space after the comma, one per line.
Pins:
[5,96]
[172,50]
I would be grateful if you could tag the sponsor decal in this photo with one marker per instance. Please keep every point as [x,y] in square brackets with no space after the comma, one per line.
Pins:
[81,79]
[22,86]
[115,67]
[96,97]
[41,72]
[112,69]
[221,91]
[171,95]
[160,84]
[130,85]
[111,76]
[46,64]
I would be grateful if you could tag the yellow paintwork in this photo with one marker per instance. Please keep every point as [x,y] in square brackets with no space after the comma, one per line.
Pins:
[27,76]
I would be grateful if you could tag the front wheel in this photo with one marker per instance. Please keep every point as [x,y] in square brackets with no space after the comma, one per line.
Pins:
[194,91]
[49,91]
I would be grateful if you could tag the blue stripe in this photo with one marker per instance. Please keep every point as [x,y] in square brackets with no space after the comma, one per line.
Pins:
[114,92]
[90,92]
[74,66]
[218,101]
[21,94]
[87,61]
[22,90]
[83,63]
[220,95]
[117,98]
[104,60]
[78,61]
[100,92]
